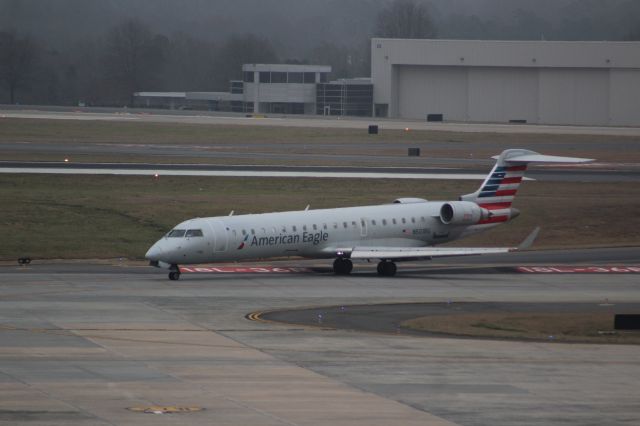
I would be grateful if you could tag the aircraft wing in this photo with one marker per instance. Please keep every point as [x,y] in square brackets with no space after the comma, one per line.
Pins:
[414,253]
[410,253]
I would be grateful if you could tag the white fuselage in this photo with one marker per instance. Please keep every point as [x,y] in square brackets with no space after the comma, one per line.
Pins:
[309,233]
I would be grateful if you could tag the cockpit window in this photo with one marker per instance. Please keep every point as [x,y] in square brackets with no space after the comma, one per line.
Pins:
[194,233]
[176,233]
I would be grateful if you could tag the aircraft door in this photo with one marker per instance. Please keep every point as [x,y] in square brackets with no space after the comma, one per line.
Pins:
[363,226]
[220,235]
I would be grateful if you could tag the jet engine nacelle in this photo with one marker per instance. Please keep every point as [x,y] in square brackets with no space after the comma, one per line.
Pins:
[462,213]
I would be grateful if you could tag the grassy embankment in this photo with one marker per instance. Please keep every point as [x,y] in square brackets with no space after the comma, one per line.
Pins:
[56,216]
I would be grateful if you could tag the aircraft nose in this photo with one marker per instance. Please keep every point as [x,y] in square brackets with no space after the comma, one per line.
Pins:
[155,252]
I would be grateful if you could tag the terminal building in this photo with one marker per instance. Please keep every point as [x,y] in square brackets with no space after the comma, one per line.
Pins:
[283,88]
[545,82]
[275,89]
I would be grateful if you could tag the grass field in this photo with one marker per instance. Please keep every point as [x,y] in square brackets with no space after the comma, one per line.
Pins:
[556,327]
[59,216]
[210,139]
[55,216]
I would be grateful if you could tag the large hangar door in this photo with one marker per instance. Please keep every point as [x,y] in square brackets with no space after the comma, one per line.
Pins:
[574,96]
[503,94]
[432,90]
[625,97]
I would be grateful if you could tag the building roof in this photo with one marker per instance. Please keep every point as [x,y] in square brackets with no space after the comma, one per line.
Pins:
[489,53]
[176,95]
[286,68]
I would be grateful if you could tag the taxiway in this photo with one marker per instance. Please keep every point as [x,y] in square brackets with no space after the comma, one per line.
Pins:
[84,344]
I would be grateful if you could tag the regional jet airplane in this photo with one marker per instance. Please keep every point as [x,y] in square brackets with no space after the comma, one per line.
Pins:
[406,229]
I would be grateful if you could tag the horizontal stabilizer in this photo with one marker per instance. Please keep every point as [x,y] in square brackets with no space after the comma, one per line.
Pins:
[532,157]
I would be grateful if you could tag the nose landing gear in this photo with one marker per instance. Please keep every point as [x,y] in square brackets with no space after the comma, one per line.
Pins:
[174,275]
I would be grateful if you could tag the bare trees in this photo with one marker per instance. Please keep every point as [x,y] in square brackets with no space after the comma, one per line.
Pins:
[17,58]
[405,19]
[239,50]
[133,57]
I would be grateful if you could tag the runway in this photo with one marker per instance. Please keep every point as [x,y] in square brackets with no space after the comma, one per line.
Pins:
[451,172]
[84,344]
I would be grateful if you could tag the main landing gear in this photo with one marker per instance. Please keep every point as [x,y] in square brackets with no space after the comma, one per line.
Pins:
[174,275]
[386,268]
[342,266]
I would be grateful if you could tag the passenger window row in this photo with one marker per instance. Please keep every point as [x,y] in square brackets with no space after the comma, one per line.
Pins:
[336,225]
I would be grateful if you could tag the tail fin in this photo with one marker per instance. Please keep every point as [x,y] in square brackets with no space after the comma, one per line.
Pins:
[501,185]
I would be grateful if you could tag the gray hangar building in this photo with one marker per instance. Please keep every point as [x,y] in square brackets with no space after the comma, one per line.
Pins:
[544,82]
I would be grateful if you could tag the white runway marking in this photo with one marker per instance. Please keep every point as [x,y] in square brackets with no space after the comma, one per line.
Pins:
[244,173]
[243,270]
[634,269]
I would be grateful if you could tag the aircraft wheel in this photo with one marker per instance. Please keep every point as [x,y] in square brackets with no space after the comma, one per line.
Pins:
[342,266]
[174,275]
[387,269]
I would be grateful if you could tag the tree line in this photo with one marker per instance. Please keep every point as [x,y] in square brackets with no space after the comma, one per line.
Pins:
[131,58]
[106,70]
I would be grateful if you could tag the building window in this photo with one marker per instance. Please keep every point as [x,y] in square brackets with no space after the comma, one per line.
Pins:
[309,77]
[278,77]
[324,77]
[265,77]
[237,87]
[296,77]
[344,99]
[248,77]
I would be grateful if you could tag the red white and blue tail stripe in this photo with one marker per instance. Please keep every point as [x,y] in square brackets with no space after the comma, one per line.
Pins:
[499,188]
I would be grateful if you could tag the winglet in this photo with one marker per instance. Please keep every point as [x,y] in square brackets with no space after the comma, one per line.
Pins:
[528,242]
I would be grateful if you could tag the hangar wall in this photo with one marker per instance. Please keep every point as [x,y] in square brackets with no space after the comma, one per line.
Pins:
[578,83]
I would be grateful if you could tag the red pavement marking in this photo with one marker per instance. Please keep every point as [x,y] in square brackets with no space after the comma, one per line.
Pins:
[635,269]
[242,270]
